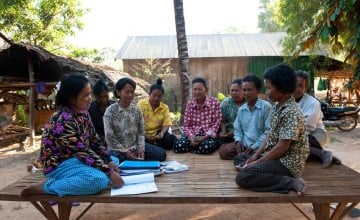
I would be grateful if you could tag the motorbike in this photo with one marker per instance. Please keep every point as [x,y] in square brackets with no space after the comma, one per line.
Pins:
[344,118]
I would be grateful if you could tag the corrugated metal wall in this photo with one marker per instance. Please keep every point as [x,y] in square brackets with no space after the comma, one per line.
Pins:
[258,65]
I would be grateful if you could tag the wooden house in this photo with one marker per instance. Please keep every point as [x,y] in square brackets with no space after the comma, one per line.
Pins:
[219,58]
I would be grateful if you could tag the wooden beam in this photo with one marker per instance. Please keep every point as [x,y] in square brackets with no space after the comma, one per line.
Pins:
[6,39]
[8,85]
[31,102]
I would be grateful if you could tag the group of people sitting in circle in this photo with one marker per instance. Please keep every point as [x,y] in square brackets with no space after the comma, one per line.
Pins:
[269,140]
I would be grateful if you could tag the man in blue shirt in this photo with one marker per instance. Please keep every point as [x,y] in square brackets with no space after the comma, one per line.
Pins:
[252,121]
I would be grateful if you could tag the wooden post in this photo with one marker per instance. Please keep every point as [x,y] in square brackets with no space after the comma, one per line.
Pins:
[31,102]
[321,211]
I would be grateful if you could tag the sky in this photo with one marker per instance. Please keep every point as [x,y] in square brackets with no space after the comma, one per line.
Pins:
[110,22]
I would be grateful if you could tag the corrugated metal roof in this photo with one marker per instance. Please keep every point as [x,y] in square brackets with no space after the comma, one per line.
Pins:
[213,45]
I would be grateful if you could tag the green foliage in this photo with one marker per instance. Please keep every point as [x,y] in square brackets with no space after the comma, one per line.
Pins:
[22,117]
[153,69]
[21,112]
[175,117]
[85,54]
[44,23]
[297,18]
[333,25]
[338,25]
[267,21]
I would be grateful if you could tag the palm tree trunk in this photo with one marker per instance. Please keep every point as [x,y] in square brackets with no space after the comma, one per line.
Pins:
[183,55]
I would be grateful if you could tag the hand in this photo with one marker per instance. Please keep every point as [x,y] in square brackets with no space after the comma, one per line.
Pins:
[223,135]
[239,147]
[251,159]
[141,153]
[195,141]
[246,165]
[113,166]
[240,168]
[230,134]
[249,150]
[159,136]
[131,155]
[150,139]
[203,138]
[116,180]
[251,164]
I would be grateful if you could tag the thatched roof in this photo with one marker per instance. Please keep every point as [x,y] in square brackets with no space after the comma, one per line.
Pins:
[49,67]
[328,67]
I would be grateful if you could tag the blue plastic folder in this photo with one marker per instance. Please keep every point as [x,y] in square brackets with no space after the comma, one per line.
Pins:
[139,165]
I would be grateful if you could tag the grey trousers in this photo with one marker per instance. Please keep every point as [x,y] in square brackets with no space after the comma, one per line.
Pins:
[268,176]
[151,153]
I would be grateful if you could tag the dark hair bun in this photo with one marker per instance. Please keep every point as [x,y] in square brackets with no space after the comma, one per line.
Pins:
[101,82]
[159,82]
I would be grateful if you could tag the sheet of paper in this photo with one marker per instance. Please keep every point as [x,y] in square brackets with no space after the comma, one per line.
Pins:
[137,172]
[136,184]
[137,179]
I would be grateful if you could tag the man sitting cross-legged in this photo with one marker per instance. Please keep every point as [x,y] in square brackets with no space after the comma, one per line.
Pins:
[317,134]
[252,121]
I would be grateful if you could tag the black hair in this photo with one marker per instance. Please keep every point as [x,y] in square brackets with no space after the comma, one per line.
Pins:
[199,80]
[120,84]
[70,87]
[304,75]
[282,76]
[237,81]
[157,85]
[99,87]
[254,79]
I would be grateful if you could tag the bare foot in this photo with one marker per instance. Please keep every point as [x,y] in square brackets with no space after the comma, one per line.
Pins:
[299,186]
[37,188]
[240,168]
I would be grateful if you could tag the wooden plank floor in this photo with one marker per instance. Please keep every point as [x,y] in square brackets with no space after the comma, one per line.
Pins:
[211,180]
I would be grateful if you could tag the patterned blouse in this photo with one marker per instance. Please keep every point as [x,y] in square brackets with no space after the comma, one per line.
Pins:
[229,111]
[69,134]
[124,127]
[97,117]
[154,120]
[287,122]
[202,121]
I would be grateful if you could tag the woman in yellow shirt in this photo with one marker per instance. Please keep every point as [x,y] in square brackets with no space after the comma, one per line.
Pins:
[157,118]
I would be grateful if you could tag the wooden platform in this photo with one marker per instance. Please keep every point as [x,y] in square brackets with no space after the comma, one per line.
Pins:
[211,180]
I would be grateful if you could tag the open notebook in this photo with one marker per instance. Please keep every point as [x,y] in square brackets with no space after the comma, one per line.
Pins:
[136,184]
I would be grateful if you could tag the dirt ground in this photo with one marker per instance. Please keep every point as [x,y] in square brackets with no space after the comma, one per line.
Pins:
[14,159]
